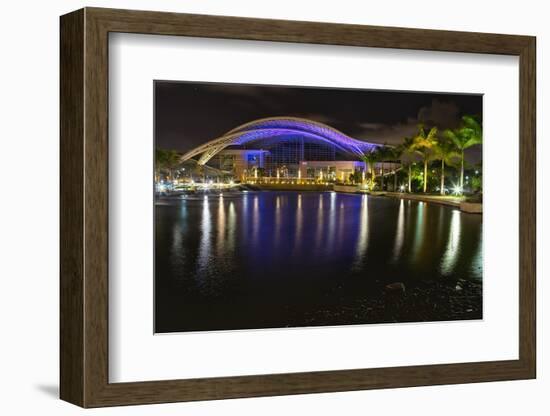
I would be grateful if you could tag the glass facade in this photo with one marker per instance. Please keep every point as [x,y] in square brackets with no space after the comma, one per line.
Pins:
[286,154]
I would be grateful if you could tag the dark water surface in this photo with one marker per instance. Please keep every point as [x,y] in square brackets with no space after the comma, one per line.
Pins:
[280,259]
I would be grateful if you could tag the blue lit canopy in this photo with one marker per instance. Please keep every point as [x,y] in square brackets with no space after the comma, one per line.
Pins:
[274,127]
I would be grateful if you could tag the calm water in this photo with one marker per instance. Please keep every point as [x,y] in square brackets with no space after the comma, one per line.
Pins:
[277,259]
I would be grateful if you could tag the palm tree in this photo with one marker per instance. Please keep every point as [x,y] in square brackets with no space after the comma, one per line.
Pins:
[166,160]
[371,158]
[424,144]
[392,154]
[406,153]
[384,154]
[446,152]
[474,125]
[160,161]
[468,135]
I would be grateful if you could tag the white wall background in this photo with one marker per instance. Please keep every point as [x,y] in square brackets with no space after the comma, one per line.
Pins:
[29,85]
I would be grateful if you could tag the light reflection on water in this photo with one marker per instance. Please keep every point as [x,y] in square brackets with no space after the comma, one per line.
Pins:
[255,219]
[400,231]
[232,227]
[278,224]
[320,223]
[299,226]
[363,236]
[356,232]
[286,244]
[452,251]
[205,240]
[419,231]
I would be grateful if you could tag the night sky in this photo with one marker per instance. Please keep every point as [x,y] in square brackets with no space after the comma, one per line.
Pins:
[188,114]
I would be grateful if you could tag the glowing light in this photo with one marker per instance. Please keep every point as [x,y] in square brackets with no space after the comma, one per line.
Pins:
[299,224]
[278,222]
[332,216]
[402,188]
[279,127]
[205,241]
[457,190]
[320,224]
[419,241]
[255,220]
[363,236]
[221,227]
[400,232]
[231,227]
[477,262]
[452,251]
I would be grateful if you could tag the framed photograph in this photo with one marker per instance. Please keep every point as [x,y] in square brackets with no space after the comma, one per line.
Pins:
[262,207]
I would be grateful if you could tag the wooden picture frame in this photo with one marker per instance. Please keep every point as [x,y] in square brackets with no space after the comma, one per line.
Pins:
[84,207]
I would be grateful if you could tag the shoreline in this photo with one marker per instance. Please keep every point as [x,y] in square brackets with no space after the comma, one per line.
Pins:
[452,201]
[457,202]
[444,200]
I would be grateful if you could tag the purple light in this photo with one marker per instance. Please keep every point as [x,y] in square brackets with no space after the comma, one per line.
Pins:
[265,128]
[282,126]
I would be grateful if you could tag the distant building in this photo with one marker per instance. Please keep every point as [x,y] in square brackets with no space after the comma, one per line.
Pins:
[238,162]
[243,164]
[287,147]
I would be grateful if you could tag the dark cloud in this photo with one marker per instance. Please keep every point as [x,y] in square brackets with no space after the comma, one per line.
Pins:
[443,114]
[391,134]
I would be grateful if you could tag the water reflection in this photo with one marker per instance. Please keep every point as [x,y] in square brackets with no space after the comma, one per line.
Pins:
[341,222]
[221,227]
[205,230]
[299,226]
[317,228]
[256,220]
[477,262]
[331,222]
[419,244]
[278,217]
[320,225]
[400,231]
[245,214]
[363,237]
[452,251]
[277,247]
[231,227]
[178,257]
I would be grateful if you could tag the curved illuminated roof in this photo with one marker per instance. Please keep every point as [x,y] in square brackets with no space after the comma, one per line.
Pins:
[273,127]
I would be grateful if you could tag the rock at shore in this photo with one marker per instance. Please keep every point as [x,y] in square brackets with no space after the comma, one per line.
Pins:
[397,287]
